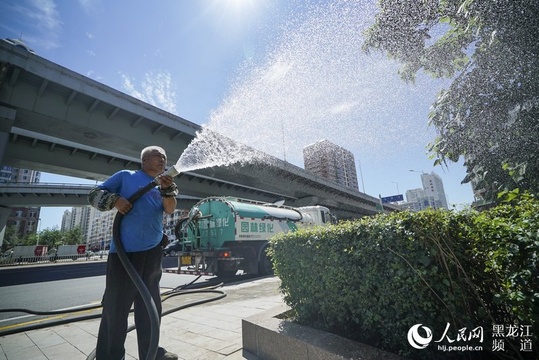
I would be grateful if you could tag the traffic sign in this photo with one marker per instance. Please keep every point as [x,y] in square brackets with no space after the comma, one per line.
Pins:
[391,199]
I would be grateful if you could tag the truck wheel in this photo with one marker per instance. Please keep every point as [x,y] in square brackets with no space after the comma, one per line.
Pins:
[265,266]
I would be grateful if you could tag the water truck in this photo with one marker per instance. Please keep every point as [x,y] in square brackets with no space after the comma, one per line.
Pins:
[222,235]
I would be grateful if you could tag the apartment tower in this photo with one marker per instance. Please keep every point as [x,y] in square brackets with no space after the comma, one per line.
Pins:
[331,162]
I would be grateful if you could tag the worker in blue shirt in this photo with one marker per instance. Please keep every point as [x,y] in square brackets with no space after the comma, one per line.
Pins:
[141,232]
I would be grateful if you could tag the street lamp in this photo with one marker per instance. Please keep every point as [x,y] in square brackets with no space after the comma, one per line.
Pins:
[361,175]
[394,182]
[37,234]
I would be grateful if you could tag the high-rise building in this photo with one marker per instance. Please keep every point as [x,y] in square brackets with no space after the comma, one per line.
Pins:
[431,195]
[79,217]
[100,231]
[331,162]
[434,187]
[66,221]
[11,174]
[24,219]
[417,200]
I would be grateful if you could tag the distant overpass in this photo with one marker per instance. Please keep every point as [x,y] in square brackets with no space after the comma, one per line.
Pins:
[63,194]
[58,121]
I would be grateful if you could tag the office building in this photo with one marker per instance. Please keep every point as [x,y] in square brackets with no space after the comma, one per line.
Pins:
[432,195]
[80,217]
[434,188]
[417,200]
[331,162]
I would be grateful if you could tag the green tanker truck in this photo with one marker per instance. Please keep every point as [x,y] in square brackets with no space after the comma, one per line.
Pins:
[222,235]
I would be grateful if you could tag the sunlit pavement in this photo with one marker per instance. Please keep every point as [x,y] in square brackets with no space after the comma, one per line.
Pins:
[209,331]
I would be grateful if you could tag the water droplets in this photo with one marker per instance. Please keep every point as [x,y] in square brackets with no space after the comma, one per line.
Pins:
[315,84]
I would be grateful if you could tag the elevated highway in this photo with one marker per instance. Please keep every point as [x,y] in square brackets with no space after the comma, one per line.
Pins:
[58,121]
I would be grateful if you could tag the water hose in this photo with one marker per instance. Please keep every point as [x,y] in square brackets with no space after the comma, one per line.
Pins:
[180,290]
[137,281]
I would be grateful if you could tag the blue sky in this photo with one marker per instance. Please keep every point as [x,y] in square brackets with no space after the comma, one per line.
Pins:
[288,73]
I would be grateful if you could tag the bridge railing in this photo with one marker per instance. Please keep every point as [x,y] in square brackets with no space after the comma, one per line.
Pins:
[10,260]
[40,185]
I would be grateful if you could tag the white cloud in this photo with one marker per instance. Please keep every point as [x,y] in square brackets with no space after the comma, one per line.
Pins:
[157,90]
[89,6]
[41,19]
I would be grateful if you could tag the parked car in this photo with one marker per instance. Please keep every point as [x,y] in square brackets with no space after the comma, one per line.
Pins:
[172,248]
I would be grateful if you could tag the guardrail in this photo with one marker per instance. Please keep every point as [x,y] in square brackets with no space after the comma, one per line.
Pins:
[53,258]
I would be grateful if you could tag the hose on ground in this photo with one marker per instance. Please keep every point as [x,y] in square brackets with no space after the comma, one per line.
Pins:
[165,296]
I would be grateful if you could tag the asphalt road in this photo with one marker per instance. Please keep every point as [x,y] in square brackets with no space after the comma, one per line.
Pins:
[60,286]
[28,274]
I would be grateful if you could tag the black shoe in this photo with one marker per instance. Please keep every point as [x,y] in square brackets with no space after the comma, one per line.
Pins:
[162,354]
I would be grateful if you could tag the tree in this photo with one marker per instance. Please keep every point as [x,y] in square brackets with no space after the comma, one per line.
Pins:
[73,237]
[30,239]
[490,50]
[11,237]
[50,237]
[54,237]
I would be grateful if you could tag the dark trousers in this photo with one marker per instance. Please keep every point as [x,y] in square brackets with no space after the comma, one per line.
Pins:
[120,293]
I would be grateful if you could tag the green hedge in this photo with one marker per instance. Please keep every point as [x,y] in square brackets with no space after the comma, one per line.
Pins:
[372,279]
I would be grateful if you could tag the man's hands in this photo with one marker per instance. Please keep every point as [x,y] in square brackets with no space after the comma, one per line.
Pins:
[123,205]
[165,181]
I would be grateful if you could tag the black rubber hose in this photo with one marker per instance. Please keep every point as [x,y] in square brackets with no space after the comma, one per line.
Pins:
[137,280]
[139,284]
[166,296]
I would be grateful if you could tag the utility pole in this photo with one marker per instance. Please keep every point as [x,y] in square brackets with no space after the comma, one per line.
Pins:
[361,175]
[37,233]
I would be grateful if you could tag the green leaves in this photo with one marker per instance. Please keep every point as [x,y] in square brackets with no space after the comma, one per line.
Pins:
[490,112]
[373,278]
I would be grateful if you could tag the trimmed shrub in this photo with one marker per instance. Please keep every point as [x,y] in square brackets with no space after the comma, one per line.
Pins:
[372,279]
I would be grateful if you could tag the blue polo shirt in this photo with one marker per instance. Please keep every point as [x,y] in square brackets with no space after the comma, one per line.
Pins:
[142,227]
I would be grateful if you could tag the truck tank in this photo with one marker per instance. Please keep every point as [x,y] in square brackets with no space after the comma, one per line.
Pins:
[226,234]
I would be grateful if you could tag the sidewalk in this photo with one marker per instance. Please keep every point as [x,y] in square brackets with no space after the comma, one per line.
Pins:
[208,331]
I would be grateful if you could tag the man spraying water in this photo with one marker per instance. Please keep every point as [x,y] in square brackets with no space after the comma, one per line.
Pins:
[141,232]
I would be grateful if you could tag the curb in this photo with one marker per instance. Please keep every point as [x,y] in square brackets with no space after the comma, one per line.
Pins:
[271,338]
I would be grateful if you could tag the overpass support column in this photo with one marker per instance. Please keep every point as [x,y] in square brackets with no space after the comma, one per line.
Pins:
[4,215]
[7,117]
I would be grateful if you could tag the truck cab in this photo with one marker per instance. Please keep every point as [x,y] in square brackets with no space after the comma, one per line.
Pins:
[320,214]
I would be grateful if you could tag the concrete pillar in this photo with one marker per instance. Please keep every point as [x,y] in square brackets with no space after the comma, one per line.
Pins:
[4,215]
[7,117]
